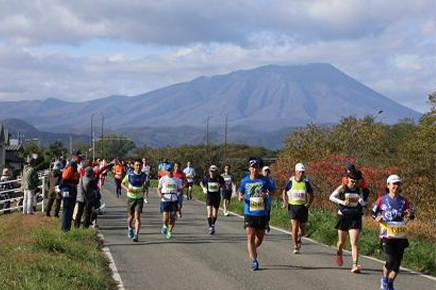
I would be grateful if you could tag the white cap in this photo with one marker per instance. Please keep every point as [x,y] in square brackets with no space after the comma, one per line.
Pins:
[394,179]
[266,168]
[299,167]
[213,168]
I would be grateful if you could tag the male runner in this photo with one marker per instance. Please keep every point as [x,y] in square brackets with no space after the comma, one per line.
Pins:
[190,174]
[134,184]
[298,197]
[228,190]
[211,186]
[147,170]
[168,189]
[253,191]
[178,173]
[266,171]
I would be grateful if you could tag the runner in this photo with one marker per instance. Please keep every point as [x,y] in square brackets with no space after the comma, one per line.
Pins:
[229,189]
[211,186]
[178,173]
[266,172]
[119,173]
[253,191]
[392,211]
[162,168]
[349,199]
[147,170]
[168,190]
[134,184]
[295,197]
[362,183]
[190,175]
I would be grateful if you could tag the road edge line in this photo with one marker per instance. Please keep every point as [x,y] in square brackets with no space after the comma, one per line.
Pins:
[115,274]
[319,243]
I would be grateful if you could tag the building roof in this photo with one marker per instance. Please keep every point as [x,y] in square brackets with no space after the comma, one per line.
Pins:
[18,147]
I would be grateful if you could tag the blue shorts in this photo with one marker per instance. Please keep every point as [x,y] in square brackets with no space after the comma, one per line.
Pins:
[180,198]
[168,206]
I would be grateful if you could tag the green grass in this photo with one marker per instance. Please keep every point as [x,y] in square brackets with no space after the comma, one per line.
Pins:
[40,256]
[420,256]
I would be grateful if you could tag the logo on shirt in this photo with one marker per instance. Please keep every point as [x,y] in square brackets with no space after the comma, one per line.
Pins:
[254,189]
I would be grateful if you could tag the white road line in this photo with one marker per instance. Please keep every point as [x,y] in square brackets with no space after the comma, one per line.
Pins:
[115,274]
[318,243]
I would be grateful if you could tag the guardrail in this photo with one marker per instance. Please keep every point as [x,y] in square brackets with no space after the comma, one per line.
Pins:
[18,190]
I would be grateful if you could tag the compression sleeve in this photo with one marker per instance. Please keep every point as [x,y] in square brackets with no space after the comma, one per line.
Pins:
[376,208]
[334,197]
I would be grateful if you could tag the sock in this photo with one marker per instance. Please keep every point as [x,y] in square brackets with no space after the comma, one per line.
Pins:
[214,220]
[355,262]
[209,221]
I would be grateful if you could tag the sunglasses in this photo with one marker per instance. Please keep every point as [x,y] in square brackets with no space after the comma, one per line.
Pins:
[354,181]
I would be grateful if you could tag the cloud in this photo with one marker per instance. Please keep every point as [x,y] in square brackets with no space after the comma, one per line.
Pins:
[81,50]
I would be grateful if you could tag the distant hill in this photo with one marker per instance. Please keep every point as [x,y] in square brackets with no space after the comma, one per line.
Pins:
[15,126]
[267,98]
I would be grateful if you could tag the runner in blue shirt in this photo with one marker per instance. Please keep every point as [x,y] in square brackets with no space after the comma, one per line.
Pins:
[253,190]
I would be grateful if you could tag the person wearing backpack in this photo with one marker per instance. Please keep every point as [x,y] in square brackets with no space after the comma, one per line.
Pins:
[88,185]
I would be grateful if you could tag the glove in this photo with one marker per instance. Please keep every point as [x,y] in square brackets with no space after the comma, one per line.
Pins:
[57,190]
[204,190]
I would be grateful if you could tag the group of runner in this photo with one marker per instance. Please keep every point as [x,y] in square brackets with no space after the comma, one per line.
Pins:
[256,190]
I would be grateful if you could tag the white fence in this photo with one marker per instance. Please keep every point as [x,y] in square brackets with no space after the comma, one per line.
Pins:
[19,191]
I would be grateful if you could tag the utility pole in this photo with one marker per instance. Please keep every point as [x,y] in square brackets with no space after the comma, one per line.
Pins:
[207,132]
[102,143]
[225,140]
[71,144]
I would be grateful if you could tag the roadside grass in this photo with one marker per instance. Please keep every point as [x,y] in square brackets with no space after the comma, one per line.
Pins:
[420,256]
[35,254]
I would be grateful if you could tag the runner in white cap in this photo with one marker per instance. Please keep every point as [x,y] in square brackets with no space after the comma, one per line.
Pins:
[211,186]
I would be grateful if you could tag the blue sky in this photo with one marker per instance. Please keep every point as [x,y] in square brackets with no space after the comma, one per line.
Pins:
[82,50]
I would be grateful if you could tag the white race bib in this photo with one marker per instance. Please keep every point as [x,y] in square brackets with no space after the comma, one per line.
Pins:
[353,198]
[257,204]
[297,195]
[169,188]
[213,186]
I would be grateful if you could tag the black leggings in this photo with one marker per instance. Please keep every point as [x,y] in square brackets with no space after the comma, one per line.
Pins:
[118,184]
[394,250]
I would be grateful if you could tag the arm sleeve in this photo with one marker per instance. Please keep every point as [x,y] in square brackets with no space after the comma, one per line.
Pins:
[288,185]
[376,208]
[334,197]
[309,187]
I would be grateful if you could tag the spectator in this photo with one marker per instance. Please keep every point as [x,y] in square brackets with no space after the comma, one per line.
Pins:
[54,194]
[6,176]
[29,184]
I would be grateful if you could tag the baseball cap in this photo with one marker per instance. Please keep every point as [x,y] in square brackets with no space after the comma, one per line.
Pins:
[299,167]
[394,179]
[266,168]
[254,163]
[213,168]
[355,174]
[169,167]
[76,152]
[350,167]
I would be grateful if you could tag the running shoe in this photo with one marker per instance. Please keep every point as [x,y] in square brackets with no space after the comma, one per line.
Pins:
[296,250]
[390,286]
[268,229]
[145,201]
[356,269]
[130,233]
[383,283]
[135,238]
[164,230]
[211,230]
[168,235]
[339,260]
[255,265]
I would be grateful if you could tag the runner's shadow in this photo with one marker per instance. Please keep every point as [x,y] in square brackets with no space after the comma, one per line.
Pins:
[293,267]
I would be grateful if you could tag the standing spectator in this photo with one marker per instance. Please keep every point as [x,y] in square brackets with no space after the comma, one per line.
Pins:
[29,185]
[6,177]
[68,187]
[54,195]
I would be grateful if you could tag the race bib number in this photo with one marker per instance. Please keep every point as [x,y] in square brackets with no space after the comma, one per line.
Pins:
[353,198]
[396,230]
[257,204]
[297,195]
[213,186]
[169,188]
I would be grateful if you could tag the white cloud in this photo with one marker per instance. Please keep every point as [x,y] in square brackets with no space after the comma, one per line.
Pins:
[89,49]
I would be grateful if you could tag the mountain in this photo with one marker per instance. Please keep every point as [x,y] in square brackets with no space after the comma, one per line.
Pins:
[16,126]
[267,98]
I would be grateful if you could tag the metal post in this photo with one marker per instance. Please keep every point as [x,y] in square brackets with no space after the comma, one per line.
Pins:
[225,140]
[102,143]
[92,138]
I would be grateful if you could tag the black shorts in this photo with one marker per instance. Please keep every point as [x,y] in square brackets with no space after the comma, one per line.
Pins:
[189,184]
[169,206]
[298,212]
[135,205]
[257,222]
[213,200]
[349,222]
[227,194]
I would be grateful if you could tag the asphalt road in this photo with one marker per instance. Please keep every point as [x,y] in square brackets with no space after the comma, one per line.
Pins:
[192,259]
